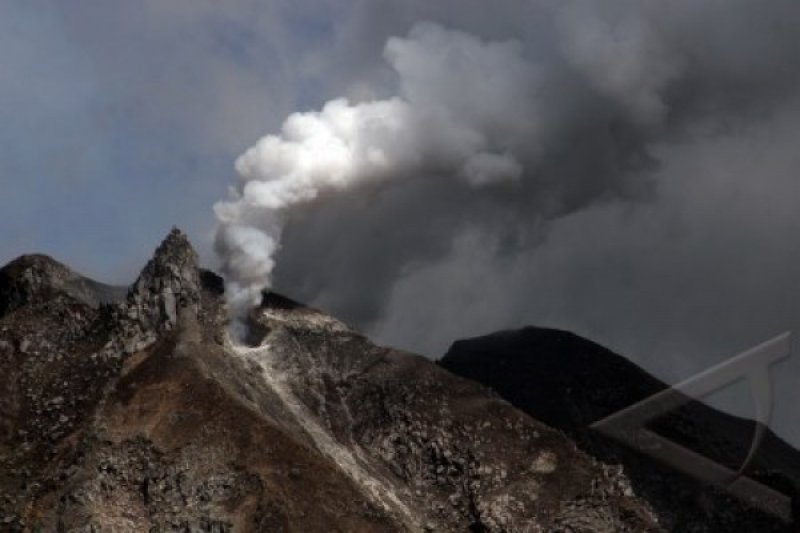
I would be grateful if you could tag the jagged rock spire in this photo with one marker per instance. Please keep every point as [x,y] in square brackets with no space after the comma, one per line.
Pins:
[174,266]
[168,283]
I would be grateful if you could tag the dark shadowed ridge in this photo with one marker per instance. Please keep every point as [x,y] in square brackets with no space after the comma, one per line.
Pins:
[569,382]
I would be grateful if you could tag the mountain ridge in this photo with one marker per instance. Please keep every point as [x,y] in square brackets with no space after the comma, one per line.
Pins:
[143,414]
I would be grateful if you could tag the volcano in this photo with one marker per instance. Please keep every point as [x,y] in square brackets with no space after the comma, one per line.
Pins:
[131,409]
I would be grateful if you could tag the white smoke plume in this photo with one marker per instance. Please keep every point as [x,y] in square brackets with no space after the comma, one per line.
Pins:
[456,115]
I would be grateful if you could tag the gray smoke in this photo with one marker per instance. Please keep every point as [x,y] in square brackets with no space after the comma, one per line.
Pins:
[472,134]
[649,178]
[613,147]
[631,204]
[466,108]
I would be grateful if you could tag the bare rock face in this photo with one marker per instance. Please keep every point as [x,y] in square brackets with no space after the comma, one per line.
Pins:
[169,284]
[171,280]
[434,451]
[141,414]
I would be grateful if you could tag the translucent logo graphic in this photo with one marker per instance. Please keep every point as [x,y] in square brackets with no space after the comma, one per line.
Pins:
[628,425]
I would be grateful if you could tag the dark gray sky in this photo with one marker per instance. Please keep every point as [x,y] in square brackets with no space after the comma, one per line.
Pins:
[657,211]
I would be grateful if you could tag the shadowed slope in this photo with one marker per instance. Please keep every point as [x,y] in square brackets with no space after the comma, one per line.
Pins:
[569,382]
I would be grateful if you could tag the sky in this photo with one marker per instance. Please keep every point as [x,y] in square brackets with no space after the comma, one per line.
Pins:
[651,203]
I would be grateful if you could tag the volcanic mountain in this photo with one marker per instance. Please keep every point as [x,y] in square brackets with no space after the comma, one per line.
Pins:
[133,410]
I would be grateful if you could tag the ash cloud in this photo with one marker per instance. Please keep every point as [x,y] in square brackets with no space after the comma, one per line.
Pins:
[471,134]
[476,112]
[623,93]
[653,207]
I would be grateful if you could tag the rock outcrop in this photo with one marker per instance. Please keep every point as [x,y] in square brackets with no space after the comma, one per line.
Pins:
[168,285]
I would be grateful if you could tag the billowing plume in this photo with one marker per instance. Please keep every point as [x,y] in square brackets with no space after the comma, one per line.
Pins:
[456,116]
[624,60]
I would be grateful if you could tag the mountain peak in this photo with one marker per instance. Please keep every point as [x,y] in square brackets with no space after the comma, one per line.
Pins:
[168,283]
[37,277]
[175,244]
[173,267]
[28,276]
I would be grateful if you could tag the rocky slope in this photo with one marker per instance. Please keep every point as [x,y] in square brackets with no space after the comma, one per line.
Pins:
[140,414]
[568,383]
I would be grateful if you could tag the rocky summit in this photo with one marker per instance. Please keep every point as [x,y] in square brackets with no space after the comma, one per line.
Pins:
[134,410]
